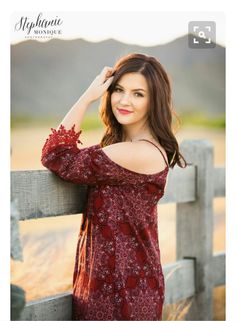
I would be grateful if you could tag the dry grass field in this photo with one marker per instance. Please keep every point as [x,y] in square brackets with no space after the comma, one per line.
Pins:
[49,244]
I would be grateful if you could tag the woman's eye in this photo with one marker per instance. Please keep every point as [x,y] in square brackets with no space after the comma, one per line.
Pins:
[139,95]
[118,90]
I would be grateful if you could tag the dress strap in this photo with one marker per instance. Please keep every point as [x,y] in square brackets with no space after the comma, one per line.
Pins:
[157,148]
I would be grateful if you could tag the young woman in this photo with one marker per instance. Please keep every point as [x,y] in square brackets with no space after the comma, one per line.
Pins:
[118,273]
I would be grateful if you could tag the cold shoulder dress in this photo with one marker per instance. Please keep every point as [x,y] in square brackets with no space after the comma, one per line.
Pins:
[118,273]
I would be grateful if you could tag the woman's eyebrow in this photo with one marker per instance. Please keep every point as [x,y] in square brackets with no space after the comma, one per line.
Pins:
[132,89]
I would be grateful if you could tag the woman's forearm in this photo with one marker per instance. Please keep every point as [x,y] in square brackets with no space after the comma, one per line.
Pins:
[95,91]
[76,114]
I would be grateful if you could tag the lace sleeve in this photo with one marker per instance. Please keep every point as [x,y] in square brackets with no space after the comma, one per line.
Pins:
[60,137]
[61,155]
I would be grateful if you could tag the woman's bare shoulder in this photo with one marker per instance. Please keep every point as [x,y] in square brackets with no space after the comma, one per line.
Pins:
[122,153]
[136,156]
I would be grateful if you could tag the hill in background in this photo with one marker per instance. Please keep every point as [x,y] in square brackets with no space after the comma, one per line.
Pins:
[48,77]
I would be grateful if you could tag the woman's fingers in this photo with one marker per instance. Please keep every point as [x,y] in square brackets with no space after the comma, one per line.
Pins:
[106,73]
[108,82]
[100,84]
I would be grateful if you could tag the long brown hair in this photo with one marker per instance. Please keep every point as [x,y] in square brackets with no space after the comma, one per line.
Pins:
[160,111]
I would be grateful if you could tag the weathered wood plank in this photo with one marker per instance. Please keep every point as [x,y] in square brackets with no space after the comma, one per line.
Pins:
[180,185]
[179,280]
[219,181]
[218,269]
[57,307]
[40,193]
[194,227]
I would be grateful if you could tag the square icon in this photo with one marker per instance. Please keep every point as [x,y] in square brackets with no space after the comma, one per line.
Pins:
[202,34]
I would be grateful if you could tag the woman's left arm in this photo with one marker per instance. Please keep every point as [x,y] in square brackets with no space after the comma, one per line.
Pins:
[90,165]
[97,88]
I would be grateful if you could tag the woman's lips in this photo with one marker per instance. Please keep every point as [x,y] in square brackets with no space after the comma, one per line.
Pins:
[124,112]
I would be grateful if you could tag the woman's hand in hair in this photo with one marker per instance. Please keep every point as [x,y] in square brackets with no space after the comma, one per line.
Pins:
[100,84]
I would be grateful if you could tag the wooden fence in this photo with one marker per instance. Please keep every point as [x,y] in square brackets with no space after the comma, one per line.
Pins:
[197,270]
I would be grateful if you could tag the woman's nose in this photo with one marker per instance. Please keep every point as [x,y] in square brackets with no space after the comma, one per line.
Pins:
[125,99]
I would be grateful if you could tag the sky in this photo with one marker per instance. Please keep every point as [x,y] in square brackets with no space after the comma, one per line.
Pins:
[145,28]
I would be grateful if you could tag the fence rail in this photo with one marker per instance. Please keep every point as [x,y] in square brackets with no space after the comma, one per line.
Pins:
[40,193]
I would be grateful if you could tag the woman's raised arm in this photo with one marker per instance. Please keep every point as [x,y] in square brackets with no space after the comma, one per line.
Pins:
[94,92]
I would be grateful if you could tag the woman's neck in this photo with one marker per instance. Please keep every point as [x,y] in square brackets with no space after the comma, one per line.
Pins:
[134,134]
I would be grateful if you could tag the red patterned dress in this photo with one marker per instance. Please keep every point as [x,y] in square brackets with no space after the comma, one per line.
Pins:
[118,273]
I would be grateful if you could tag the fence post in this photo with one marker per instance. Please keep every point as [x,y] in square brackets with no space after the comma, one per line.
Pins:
[194,227]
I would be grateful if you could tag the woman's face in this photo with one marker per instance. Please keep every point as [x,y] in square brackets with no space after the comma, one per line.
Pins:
[130,99]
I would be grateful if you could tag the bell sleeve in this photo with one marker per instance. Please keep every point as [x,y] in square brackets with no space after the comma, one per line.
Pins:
[90,166]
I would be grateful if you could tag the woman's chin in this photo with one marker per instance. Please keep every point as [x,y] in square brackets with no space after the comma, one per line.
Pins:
[124,121]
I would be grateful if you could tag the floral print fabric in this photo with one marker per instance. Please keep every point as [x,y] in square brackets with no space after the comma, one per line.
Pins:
[118,273]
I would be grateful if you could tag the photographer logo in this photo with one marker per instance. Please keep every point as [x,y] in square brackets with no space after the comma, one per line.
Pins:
[39,27]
